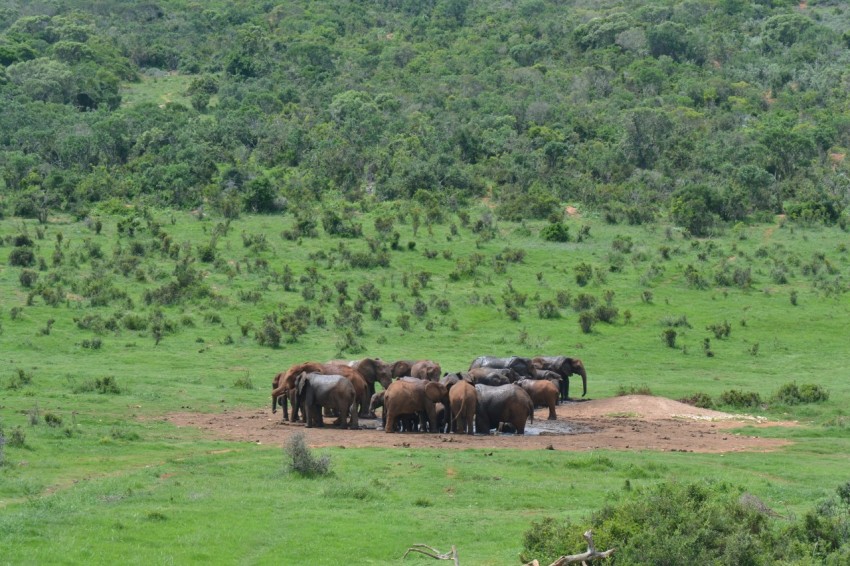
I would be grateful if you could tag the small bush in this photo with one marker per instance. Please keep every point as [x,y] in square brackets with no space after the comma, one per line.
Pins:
[53,420]
[93,344]
[555,232]
[28,278]
[669,337]
[547,309]
[701,400]
[17,438]
[22,257]
[791,394]
[586,321]
[642,389]
[583,273]
[299,459]
[243,382]
[740,399]
[720,329]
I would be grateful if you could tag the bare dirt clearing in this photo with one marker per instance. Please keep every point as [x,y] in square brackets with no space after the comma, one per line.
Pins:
[631,422]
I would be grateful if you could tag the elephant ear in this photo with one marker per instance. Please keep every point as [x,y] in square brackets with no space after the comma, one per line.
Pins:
[301,383]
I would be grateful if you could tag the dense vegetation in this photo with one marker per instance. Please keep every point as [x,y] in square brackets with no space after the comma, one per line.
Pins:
[711,110]
[194,195]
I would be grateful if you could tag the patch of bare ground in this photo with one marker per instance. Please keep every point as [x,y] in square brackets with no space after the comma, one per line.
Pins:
[631,422]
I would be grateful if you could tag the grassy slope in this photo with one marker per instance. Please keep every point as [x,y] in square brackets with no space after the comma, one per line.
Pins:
[96,492]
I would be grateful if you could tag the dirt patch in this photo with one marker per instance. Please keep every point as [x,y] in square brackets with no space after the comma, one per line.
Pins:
[632,422]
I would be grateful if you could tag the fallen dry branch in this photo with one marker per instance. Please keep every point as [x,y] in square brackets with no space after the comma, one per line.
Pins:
[591,554]
[434,553]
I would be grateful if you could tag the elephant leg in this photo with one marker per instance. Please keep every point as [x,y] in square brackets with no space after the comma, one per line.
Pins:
[390,420]
[552,415]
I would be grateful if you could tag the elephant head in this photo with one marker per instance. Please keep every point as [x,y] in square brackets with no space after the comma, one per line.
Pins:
[373,370]
[575,365]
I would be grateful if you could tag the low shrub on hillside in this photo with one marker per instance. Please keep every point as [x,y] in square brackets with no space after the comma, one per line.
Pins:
[701,400]
[642,389]
[791,394]
[740,399]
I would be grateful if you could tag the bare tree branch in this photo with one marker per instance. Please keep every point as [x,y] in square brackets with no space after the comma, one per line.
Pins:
[591,554]
[434,553]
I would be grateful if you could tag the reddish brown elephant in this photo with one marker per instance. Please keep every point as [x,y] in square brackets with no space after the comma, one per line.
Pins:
[427,370]
[410,395]
[283,382]
[374,370]
[463,401]
[543,393]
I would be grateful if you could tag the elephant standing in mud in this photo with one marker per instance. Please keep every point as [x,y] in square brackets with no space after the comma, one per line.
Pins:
[315,391]
[463,402]
[503,404]
[564,367]
[285,381]
[404,423]
[543,393]
[411,395]
[522,366]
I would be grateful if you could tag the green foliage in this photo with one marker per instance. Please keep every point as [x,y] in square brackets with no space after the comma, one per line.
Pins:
[791,394]
[555,232]
[701,400]
[700,522]
[299,459]
[642,389]
[740,399]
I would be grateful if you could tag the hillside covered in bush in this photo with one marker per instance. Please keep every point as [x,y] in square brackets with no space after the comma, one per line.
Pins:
[711,110]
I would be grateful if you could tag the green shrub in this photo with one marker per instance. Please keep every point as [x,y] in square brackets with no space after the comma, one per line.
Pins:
[586,321]
[740,399]
[22,257]
[701,400]
[791,394]
[642,389]
[53,420]
[548,310]
[720,329]
[243,382]
[299,459]
[555,232]
[669,337]
[583,273]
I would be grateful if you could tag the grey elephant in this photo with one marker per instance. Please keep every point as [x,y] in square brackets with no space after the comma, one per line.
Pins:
[522,366]
[410,395]
[564,367]
[315,391]
[502,404]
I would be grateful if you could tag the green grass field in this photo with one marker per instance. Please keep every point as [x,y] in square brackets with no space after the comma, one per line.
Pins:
[111,480]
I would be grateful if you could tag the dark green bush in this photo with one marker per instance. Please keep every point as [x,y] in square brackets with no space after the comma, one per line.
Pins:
[740,399]
[791,394]
[547,309]
[701,400]
[555,232]
[22,257]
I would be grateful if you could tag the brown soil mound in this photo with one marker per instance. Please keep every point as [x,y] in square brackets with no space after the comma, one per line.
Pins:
[632,422]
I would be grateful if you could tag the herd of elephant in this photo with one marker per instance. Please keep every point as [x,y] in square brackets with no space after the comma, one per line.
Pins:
[495,393]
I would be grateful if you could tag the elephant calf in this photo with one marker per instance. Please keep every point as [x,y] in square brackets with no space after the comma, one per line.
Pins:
[543,393]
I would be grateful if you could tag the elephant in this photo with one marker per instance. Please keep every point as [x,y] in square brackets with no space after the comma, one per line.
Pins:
[336,392]
[493,376]
[410,395]
[521,366]
[543,393]
[427,370]
[401,368]
[502,404]
[564,367]
[408,422]
[285,381]
[462,401]
[374,370]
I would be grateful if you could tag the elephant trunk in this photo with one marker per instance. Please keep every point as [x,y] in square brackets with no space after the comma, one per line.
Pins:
[583,382]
